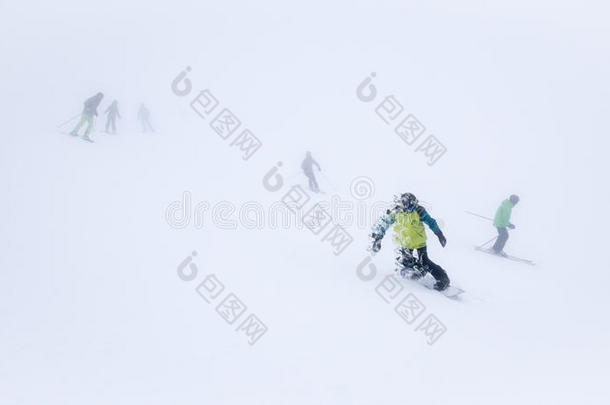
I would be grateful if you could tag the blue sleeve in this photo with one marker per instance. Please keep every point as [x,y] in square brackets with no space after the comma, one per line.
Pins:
[431,222]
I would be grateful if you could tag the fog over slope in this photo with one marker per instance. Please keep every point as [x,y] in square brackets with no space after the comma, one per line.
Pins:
[95,235]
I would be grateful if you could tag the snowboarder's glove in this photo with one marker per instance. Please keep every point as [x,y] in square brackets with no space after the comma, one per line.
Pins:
[441,238]
[376,242]
[511,226]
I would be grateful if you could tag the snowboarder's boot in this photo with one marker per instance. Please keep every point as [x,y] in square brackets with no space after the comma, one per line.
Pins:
[441,284]
[86,138]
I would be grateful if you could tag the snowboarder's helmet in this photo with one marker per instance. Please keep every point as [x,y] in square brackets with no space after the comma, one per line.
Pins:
[409,201]
[514,199]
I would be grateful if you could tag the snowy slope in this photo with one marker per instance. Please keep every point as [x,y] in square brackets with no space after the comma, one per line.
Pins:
[92,307]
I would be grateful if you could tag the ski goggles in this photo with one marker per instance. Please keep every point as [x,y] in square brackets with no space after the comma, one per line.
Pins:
[410,204]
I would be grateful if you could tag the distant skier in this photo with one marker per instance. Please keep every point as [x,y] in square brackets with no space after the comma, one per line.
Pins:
[112,112]
[502,221]
[307,167]
[144,118]
[89,110]
[408,218]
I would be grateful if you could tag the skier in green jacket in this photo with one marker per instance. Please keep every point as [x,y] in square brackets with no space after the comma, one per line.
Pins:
[502,221]
[408,218]
[89,110]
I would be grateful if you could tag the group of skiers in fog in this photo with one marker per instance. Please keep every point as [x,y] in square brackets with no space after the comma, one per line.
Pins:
[87,117]
[406,216]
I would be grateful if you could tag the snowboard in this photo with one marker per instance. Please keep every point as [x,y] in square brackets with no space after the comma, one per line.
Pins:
[452,291]
[428,281]
[509,257]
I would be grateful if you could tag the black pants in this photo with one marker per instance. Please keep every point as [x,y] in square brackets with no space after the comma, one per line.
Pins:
[437,271]
[501,240]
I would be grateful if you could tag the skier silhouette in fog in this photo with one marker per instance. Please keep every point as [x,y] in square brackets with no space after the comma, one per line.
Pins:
[112,112]
[144,118]
[89,110]
[307,167]
[502,221]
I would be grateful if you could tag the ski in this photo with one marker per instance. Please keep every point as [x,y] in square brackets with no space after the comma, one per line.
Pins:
[306,188]
[508,257]
[76,136]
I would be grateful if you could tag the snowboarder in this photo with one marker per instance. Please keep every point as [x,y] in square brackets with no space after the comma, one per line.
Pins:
[408,218]
[112,112]
[502,221]
[89,111]
[307,167]
[144,118]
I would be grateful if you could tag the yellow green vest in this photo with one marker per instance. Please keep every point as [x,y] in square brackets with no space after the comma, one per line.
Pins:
[409,231]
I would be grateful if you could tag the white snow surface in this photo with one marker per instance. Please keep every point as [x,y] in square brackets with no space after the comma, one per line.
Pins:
[91,306]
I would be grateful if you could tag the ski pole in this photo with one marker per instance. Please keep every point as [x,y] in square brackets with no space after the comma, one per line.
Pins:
[70,120]
[480,216]
[488,242]
[328,181]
